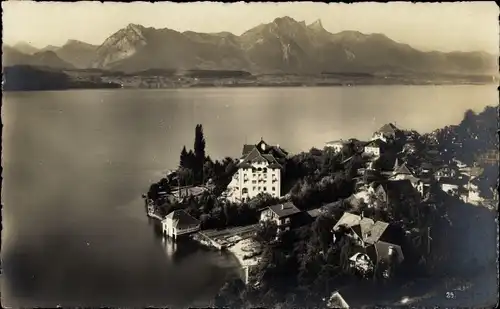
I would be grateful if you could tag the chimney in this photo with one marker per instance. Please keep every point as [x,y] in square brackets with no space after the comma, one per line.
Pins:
[283,206]
[391,250]
[362,214]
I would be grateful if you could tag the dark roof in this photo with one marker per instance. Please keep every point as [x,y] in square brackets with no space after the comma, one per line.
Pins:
[399,187]
[284,210]
[376,143]
[181,219]
[314,213]
[388,128]
[262,152]
[247,149]
[381,251]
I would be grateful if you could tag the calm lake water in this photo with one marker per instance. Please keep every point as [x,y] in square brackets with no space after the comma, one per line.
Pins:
[76,162]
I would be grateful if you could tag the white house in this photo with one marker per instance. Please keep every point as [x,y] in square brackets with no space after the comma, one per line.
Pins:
[375,147]
[259,171]
[336,145]
[281,214]
[178,223]
[386,133]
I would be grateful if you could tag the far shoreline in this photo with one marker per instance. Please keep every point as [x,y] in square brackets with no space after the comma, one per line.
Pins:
[258,86]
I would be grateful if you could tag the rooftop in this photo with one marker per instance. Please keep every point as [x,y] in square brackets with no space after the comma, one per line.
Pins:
[376,143]
[181,219]
[337,301]
[365,228]
[388,128]
[284,210]
[262,152]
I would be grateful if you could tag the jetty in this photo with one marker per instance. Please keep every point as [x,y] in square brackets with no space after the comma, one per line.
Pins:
[222,239]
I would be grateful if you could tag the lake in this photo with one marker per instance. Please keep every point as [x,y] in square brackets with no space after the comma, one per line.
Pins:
[76,162]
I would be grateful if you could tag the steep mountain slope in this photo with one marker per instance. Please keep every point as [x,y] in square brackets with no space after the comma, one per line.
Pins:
[284,45]
[79,54]
[12,57]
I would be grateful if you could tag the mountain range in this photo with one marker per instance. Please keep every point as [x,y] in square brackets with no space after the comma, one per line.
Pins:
[281,46]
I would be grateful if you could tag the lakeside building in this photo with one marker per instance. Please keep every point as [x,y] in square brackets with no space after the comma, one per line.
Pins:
[178,223]
[259,171]
[281,214]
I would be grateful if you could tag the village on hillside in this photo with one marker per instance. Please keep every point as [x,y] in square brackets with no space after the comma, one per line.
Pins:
[361,209]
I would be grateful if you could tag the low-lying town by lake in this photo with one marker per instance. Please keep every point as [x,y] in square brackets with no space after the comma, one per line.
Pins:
[249,155]
[308,228]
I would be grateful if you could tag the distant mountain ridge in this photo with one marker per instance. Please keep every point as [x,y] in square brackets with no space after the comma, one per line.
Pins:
[281,46]
[12,56]
[73,54]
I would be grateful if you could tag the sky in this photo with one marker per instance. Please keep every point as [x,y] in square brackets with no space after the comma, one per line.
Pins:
[462,26]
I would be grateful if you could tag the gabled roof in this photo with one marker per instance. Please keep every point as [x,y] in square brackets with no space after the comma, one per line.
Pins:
[262,152]
[402,169]
[337,301]
[388,128]
[367,229]
[376,143]
[247,149]
[380,251]
[181,219]
[284,210]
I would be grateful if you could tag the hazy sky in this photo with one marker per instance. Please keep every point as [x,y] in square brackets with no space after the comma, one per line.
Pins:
[461,26]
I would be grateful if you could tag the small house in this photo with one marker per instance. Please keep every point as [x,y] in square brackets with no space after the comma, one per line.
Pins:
[399,191]
[374,244]
[281,214]
[375,147]
[178,223]
[336,145]
[388,132]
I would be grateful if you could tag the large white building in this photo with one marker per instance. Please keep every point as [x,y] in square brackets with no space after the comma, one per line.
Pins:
[259,171]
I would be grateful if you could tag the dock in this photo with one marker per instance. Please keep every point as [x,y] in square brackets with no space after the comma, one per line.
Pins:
[222,239]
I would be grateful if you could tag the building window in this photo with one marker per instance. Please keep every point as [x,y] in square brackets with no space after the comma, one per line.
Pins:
[258,189]
[254,188]
[254,175]
[265,170]
[259,169]
[274,188]
[265,189]
[244,190]
[254,181]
